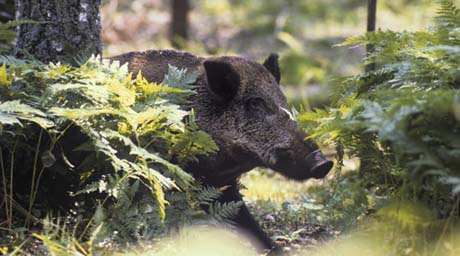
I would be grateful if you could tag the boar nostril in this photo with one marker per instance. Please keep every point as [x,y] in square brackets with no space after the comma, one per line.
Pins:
[322,169]
[320,165]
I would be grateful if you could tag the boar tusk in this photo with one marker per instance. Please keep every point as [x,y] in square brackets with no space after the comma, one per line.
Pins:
[288,112]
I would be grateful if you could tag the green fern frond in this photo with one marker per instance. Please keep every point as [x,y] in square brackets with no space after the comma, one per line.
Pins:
[206,195]
[401,120]
[224,211]
[12,111]
[13,61]
[448,14]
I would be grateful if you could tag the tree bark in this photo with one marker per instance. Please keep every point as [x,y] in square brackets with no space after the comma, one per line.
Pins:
[179,23]
[371,20]
[70,28]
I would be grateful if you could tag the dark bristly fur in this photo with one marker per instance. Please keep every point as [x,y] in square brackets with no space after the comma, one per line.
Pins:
[240,104]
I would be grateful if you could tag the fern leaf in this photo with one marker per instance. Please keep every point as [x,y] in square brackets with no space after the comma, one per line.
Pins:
[160,197]
[183,179]
[97,93]
[225,211]
[208,194]
[448,15]
[12,111]
[15,62]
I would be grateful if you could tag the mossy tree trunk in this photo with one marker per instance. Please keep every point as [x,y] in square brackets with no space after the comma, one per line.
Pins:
[70,28]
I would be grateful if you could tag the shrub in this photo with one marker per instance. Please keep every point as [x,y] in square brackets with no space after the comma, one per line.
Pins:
[402,119]
[102,149]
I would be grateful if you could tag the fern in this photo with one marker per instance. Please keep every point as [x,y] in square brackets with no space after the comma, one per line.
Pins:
[448,14]
[181,79]
[403,117]
[130,130]
[225,212]
[13,61]
[12,111]
[208,194]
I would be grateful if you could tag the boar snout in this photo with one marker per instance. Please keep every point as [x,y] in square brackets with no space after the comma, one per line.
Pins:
[320,166]
[287,162]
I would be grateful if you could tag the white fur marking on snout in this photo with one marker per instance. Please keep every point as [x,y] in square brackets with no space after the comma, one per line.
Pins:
[287,112]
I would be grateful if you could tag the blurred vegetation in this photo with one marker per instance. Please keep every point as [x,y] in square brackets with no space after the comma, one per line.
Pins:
[302,32]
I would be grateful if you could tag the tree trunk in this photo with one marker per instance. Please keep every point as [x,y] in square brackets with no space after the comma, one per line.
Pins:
[371,20]
[179,23]
[70,28]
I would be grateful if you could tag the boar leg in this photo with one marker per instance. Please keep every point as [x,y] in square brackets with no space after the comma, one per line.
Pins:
[244,220]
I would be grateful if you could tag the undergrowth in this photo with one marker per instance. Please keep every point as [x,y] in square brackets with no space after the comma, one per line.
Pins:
[404,119]
[91,156]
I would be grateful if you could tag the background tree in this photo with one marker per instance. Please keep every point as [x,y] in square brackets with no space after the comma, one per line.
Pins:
[371,20]
[67,28]
[179,22]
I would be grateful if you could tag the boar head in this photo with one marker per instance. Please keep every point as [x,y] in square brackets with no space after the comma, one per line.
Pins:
[244,110]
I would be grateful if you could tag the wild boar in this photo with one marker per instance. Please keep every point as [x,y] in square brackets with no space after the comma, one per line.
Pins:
[240,104]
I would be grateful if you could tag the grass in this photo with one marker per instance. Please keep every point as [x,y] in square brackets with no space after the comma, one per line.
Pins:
[263,184]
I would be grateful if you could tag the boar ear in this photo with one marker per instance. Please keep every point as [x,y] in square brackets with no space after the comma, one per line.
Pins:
[271,63]
[223,80]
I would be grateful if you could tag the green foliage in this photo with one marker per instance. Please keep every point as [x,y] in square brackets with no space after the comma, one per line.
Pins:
[129,219]
[448,14]
[288,14]
[132,139]
[8,35]
[208,196]
[320,211]
[402,118]
[299,68]
[59,241]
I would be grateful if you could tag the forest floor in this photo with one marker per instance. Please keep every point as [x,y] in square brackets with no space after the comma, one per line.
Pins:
[286,210]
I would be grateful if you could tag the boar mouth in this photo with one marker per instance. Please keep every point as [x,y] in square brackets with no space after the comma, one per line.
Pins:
[314,165]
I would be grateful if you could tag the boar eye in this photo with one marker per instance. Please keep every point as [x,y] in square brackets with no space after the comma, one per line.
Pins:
[258,105]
